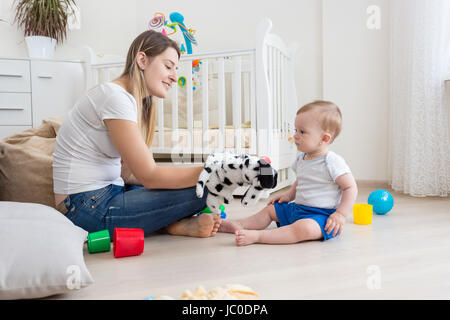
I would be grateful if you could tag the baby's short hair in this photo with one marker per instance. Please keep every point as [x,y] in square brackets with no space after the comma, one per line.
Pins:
[330,116]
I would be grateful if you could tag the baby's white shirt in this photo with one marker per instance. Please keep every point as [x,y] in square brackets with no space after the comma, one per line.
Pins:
[317,185]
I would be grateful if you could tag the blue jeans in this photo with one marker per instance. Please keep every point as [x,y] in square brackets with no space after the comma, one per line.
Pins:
[131,207]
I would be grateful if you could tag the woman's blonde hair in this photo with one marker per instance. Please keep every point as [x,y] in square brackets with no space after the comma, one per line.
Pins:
[152,43]
[330,116]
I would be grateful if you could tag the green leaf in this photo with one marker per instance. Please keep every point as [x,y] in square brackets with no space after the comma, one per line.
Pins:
[44,17]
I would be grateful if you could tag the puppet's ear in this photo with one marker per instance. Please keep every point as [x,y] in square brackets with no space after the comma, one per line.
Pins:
[202,179]
[267,175]
[213,203]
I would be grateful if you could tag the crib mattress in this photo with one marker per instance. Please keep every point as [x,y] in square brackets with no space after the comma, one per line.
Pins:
[212,135]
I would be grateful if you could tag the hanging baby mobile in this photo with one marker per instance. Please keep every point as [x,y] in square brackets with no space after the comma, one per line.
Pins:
[169,28]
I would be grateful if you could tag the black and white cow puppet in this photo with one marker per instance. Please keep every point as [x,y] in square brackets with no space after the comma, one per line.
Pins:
[224,172]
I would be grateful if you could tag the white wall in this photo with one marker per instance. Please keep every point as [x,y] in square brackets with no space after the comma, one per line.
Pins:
[108,26]
[356,78]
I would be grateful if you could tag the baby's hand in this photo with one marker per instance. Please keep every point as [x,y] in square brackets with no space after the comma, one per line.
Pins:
[280,199]
[335,221]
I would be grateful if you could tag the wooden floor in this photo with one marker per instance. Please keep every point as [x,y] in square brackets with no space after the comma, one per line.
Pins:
[402,255]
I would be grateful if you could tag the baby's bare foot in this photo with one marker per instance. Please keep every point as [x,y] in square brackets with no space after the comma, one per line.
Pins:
[246,237]
[230,226]
[203,226]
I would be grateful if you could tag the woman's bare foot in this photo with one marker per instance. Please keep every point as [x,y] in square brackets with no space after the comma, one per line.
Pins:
[230,226]
[246,237]
[217,222]
[203,226]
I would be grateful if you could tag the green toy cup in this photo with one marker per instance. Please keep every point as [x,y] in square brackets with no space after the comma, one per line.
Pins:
[99,241]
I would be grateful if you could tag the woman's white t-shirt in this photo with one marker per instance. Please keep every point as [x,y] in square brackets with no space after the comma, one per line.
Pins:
[85,157]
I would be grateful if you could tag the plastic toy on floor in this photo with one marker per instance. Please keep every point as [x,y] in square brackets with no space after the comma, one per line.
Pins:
[225,172]
[99,241]
[362,213]
[223,214]
[382,201]
[227,292]
[126,242]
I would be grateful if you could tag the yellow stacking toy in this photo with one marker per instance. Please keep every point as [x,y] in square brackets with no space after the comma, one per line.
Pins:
[362,213]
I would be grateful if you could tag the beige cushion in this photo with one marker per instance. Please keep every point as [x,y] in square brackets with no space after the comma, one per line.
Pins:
[26,173]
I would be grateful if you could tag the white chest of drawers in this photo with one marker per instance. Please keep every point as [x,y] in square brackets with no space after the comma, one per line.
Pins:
[32,90]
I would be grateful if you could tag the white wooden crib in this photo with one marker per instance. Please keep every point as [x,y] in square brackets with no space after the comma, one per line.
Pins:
[247,105]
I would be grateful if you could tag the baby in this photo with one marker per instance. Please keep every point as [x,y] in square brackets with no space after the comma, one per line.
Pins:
[324,191]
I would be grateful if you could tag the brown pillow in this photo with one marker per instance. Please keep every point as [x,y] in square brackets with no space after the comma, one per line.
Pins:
[26,173]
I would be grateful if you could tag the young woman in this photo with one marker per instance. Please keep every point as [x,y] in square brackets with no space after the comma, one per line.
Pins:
[114,124]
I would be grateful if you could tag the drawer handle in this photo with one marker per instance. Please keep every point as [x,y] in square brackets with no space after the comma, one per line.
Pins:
[11,75]
[45,77]
[11,108]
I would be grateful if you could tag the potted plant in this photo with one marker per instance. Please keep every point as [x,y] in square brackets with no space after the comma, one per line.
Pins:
[44,23]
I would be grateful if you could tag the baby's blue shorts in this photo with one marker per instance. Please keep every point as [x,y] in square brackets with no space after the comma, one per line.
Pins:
[288,213]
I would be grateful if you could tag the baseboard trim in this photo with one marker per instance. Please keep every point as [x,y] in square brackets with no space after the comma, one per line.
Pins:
[373,183]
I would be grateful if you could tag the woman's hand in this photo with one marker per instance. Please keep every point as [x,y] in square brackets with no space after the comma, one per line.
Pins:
[280,199]
[335,221]
[128,176]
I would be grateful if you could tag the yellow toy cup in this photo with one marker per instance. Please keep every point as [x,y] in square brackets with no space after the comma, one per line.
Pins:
[362,213]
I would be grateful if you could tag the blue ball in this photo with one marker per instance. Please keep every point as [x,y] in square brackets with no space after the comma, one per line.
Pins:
[381,200]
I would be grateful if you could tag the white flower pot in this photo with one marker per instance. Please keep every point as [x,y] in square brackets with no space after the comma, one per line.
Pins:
[40,47]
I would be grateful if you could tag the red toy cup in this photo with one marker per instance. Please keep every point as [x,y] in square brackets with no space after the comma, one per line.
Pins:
[128,242]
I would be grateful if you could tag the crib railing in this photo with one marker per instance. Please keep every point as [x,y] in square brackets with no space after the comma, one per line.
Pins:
[276,95]
[240,65]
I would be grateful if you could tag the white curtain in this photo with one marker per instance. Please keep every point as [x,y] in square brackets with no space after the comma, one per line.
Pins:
[420,64]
